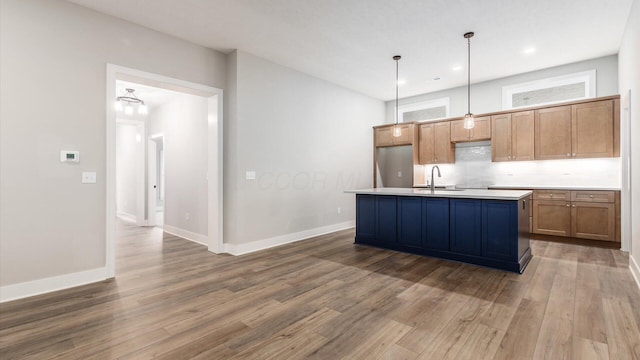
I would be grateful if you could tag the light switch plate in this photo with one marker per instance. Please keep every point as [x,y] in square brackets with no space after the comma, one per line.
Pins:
[88,177]
[250,175]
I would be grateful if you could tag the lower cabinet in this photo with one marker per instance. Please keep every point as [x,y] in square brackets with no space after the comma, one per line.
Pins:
[492,233]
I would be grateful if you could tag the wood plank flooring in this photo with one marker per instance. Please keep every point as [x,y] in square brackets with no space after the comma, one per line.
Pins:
[326,298]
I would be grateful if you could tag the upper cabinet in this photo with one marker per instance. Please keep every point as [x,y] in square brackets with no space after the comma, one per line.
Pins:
[434,144]
[512,136]
[480,131]
[383,135]
[583,130]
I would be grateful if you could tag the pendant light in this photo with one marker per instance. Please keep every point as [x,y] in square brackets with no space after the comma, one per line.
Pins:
[469,122]
[396,129]
[125,103]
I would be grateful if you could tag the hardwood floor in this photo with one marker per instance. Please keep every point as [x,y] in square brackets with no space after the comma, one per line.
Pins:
[326,298]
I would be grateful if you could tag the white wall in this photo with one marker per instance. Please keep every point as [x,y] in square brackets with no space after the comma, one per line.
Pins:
[127,144]
[487,96]
[629,64]
[53,57]
[183,121]
[308,140]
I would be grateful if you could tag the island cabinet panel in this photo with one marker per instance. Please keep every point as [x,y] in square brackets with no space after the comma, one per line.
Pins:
[386,212]
[499,228]
[410,219]
[436,223]
[465,222]
[366,218]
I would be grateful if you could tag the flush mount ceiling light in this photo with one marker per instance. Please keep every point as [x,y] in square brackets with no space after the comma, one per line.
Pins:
[126,102]
[469,122]
[396,129]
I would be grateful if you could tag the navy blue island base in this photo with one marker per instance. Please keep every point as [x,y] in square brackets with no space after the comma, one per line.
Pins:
[486,232]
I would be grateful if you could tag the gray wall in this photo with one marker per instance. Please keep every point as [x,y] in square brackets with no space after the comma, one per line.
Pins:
[487,96]
[183,121]
[629,58]
[53,57]
[126,165]
[308,140]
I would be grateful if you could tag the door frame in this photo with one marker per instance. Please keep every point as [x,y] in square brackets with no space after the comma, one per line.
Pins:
[215,241]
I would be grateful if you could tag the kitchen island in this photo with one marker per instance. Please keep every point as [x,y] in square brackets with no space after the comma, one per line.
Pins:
[482,227]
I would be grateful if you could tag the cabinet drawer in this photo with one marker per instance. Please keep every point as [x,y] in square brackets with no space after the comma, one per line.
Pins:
[593,196]
[564,195]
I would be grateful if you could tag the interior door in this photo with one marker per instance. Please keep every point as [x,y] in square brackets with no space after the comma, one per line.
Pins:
[151,182]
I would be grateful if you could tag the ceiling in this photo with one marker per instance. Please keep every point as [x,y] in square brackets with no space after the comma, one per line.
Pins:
[352,42]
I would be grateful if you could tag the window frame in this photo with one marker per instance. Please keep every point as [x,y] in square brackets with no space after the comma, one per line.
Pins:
[588,77]
[423,105]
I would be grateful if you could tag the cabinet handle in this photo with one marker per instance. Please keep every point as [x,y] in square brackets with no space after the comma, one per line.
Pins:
[567,205]
[591,196]
[509,157]
[568,155]
[573,205]
[574,154]
[550,195]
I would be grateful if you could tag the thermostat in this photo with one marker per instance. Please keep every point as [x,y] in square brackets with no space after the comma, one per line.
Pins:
[69,156]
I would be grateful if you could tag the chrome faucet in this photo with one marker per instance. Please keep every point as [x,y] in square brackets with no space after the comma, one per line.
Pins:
[433,186]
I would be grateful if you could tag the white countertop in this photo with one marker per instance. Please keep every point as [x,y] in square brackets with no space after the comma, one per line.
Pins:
[463,194]
[554,187]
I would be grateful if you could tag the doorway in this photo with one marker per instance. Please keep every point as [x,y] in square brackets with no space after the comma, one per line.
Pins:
[212,153]
[156,186]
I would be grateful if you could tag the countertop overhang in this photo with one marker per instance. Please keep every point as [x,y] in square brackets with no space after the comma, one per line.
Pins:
[448,193]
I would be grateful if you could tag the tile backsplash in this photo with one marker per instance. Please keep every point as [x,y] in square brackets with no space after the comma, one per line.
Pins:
[473,168]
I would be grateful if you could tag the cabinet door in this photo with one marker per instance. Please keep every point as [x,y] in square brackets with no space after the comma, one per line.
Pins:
[594,221]
[383,136]
[386,219]
[481,130]
[465,219]
[443,147]
[592,126]
[458,132]
[553,133]
[435,223]
[499,229]
[522,136]
[410,221]
[501,137]
[365,218]
[426,149]
[552,217]
[406,134]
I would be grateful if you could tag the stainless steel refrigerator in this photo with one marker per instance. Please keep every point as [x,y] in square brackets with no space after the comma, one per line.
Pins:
[395,166]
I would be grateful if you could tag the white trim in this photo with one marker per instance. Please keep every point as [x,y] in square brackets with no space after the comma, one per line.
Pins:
[240,249]
[185,234]
[428,104]
[55,283]
[588,77]
[215,182]
[635,269]
[626,161]
[127,217]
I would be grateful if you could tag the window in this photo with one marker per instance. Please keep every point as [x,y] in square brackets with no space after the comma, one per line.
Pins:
[426,110]
[569,87]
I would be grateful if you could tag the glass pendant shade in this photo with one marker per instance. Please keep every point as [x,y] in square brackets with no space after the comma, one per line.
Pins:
[142,109]
[117,105]
[128,109]
[469,122]
[397,131]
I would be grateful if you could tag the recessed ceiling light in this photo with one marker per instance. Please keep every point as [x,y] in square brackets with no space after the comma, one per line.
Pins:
[436,78]
[402,81]
[529,50]
[456,68]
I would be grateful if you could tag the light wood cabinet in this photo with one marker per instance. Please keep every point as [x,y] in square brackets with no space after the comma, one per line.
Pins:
[512,136]
[383,135]
[480,131]
[434,144]
[592,129]
[553,133]
[578,214]
[583,130]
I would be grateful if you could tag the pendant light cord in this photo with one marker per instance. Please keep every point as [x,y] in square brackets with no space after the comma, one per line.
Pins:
[396,58]
[469,75]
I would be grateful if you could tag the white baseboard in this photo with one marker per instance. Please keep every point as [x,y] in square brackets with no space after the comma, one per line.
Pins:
[240,249]
[635,269]
[41,286]
[186,234]
[127,217]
